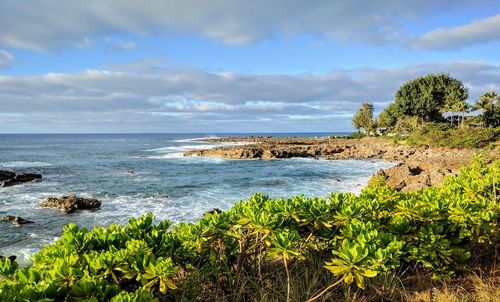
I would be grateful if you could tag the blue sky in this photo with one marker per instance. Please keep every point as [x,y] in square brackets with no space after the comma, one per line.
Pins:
[230,66]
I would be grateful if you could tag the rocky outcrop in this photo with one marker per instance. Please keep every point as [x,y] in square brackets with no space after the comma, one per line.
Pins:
[8,179]
[414,176]
[16,220]
[71,203]
[419,167]
[268,148]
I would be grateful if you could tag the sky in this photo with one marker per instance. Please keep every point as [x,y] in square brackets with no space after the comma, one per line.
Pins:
[93,66]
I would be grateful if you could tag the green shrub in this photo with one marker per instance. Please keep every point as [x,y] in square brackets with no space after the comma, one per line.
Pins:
[356,135]
[440,135]
[241,254]
[474,137]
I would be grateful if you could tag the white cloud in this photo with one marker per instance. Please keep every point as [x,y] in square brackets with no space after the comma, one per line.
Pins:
[113,45]
[481,31]
[53,24]
[173,100]
[5,58]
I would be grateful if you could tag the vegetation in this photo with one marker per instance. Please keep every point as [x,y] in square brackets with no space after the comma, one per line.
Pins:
[428,97]
[380,243]
[489,103]
[442,135]
[355,135]
[418,111]
[364,117]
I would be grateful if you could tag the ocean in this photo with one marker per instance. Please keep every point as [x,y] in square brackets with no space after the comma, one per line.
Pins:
[138,173]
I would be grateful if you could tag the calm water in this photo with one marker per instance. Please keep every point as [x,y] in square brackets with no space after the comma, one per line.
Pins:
[163,181]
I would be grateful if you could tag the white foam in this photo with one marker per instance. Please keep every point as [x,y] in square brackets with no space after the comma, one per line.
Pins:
[179,148]
[168,155]
[178,151]
[195,139]
[24,164]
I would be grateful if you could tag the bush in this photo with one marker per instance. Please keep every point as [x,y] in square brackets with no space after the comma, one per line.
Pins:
[245,253]
[356,135]
[440,135]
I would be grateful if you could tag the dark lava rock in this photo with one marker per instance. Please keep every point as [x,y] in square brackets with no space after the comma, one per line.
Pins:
[16,220]
[213,211]
[71,203]
[6,175]
[11,258]
[21,178]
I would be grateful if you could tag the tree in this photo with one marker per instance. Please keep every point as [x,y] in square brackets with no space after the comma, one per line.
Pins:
[428,97]
[461,107]
[455,102]
[489,104]
[364,117]
[406,125]
[388,117]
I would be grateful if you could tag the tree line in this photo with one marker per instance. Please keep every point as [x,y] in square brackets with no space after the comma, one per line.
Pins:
[428,99]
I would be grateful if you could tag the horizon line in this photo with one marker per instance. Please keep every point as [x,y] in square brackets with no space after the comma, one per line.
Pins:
[73,133]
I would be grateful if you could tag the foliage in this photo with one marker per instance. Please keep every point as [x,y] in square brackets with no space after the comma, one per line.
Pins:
[429,96]
[425,99]
[461,107]
[355,135]
[489,103]
[364,117]
[388,117]
[406,125]
[440,135]
[223,255]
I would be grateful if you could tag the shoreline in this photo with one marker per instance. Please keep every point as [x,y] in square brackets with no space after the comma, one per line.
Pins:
[417,166]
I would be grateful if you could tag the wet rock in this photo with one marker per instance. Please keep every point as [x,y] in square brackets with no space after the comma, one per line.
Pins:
[6,175]
[16,220]
[71,203]
[20,179]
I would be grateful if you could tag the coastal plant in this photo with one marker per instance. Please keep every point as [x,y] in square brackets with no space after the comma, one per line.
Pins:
[260,244]
[282,246]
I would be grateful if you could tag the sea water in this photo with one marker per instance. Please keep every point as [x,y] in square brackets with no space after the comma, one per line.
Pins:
[134,174]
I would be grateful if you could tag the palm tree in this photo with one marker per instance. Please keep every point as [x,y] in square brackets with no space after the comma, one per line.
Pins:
[463,108]
[455,103]
[485,103]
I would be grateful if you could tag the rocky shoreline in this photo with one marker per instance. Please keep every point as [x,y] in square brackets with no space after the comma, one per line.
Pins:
[417,168]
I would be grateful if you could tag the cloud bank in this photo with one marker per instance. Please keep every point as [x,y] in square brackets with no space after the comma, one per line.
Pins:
[128,99]
[54,24]
[482,31]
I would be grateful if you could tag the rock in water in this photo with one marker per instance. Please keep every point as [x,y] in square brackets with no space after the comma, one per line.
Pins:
[20,178]
[16,220]
[71,203]
[6,175]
